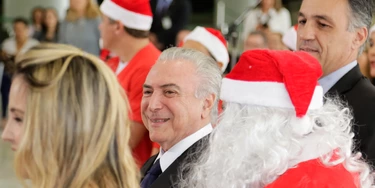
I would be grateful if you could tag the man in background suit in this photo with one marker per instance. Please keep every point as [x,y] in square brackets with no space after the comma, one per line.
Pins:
[169,17]
[179,103]
[335,33]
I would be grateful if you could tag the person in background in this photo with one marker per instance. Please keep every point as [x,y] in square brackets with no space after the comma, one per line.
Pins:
[180,37]
[169,17]
[68,121]
[21,42]
[124,31]
[256,40]
[275,41]
[37,22]
[50,26]
[335,33]
[270,15]
[210,42]
[80,27]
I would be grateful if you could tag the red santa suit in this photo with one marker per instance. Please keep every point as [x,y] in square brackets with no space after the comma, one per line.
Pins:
[314,174]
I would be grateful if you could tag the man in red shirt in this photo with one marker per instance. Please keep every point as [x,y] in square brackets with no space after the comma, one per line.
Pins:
[124,30]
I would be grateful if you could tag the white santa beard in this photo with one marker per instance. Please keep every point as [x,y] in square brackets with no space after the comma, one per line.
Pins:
[252,146]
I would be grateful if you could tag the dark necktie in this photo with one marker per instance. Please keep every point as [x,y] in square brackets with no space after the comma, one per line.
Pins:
[151,175]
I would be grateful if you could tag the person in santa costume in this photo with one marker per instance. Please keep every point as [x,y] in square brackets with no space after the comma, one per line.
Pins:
[210,42]
[275,131]
[124,31]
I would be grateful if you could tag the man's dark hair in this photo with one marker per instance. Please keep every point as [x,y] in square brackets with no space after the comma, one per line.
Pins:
[133,32]
[21,20]
[137,33]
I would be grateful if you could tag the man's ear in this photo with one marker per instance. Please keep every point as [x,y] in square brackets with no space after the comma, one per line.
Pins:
[119,27]
[208,104]
[360,37]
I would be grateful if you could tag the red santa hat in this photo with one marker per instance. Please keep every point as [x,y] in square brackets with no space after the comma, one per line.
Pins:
[134,14]
[281,79]
[214,41]
[290,38]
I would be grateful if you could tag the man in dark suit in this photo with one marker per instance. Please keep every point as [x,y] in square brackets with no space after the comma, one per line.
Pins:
[335,33]
[179,103]
[169,17]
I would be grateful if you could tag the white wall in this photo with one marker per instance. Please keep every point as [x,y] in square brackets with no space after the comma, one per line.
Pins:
[14,8]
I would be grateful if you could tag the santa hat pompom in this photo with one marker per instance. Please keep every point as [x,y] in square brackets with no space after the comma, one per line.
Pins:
[301,125]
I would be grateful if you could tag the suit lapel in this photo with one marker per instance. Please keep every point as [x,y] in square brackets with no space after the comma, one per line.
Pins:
[347,82]
[170,176]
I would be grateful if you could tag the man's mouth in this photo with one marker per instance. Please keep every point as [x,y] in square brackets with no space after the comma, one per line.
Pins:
[309,50]
[159,120]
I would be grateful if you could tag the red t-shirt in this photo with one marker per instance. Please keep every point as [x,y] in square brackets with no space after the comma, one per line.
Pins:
[132,78]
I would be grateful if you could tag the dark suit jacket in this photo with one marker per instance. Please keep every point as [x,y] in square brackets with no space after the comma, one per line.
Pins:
[179,12]
[359,93]
[169,178]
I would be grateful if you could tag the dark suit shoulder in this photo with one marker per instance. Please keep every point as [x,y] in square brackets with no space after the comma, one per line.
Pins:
[362,100]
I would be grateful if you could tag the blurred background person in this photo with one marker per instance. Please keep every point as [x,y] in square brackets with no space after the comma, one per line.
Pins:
[80,27]
[181,36]
[169,17]
[275,41]
[269,15]
[21,42]
[255,40]
[50,26]
[210,42]
[36,21]
[83,141]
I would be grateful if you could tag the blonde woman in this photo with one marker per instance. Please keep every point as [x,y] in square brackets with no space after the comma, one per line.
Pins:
[80,27]
[68,121]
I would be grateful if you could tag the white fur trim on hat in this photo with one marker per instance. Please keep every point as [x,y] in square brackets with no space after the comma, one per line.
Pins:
[130,19]
[214,45]
[270,94]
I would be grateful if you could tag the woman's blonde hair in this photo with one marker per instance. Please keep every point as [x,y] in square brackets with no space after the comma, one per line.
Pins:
[76,122]
[92,12]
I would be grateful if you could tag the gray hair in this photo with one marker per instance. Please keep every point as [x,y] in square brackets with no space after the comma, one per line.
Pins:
[360,15]
[206,69]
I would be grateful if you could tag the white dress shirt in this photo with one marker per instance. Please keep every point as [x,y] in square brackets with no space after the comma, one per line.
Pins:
[168,157]
[330,80]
